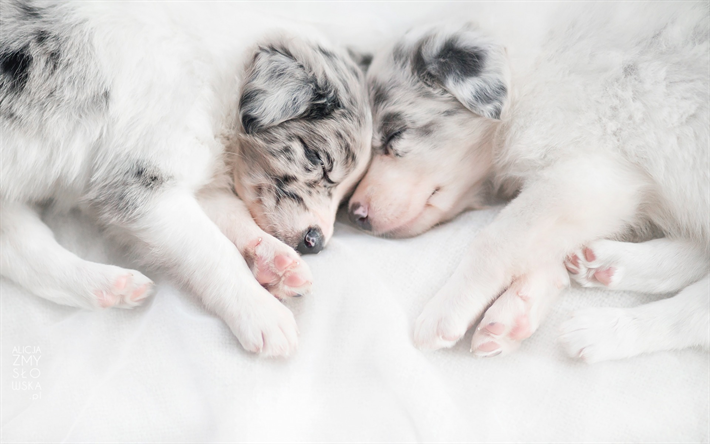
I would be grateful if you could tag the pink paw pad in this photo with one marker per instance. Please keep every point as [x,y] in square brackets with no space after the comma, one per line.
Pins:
[521,330]
[488,349]
[604,275]
[121,282]
[495,328]
[283,262]
[139,293]
[106,300]
[589,255]
[264,274]
[294,280]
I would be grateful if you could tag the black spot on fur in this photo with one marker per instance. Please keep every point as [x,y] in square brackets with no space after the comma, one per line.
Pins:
[148,178]
[127,193]
[349,158]
[492,95]
[312,155]
[379,94]
[452,61]
[325,101]
[42,37]
[29,12]
[450,112]
[286,179]
[286,153]
[282,192]
[15,67]
[426,130]
[328,164]
[48,44]
[392,123]
[250,123]
[457,62]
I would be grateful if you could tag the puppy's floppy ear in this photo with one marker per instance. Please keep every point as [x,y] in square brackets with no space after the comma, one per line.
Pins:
[279,88]
[467,65]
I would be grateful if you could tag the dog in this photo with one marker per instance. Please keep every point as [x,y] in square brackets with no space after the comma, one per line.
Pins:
[596,130]
[149,116]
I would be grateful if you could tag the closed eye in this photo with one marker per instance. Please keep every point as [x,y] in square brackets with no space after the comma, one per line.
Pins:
[327,178]
[390,139]
[315,159]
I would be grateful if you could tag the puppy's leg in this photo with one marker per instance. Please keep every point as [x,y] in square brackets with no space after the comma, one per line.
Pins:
[601,334]
[174,233]
[562,207]
[657,266]
[274,264]
[30,256]
[517,313]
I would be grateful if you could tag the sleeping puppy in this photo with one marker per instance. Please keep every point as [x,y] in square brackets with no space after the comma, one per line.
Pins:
[149,116]
[598,134]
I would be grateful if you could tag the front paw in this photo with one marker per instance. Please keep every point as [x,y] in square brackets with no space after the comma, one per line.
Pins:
[113,286]
[266,326]
[278,268]
[518,312]
[595,265]
[441,324]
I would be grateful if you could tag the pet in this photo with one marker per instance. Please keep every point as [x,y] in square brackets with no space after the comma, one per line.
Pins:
[149,116]
[596,128]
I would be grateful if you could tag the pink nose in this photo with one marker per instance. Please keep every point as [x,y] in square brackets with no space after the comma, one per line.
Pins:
[359,216]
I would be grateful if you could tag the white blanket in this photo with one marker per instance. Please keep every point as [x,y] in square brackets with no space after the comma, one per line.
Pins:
[170,371]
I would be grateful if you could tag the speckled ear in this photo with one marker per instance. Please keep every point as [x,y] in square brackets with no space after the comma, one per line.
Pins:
[278,88]
[467,65]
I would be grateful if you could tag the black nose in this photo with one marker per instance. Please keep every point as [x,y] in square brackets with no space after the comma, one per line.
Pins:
[359,216]
[312,241]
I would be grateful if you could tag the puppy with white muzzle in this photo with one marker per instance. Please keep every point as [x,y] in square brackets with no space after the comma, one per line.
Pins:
[597,129]
[148,116]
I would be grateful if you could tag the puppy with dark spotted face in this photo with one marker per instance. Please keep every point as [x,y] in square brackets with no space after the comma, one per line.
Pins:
[149,117]
[294,171]
[596,128]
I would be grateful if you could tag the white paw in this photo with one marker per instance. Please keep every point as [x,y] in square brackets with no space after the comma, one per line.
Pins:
[596,265]
[441,324]
[277,267]
[505,324]
[266,326]
[112,286]
[517,313]
[600,334]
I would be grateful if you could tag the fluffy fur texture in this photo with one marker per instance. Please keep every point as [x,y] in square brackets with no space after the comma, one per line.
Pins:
[597,128]
[148,115]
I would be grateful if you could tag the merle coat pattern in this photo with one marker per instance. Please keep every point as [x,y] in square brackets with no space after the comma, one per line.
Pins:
[149,117]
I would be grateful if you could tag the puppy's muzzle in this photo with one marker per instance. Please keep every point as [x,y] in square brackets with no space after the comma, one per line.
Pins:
[312,241]
[359,216]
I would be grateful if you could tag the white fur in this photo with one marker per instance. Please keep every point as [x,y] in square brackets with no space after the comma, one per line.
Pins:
[604,133]
[172,71]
